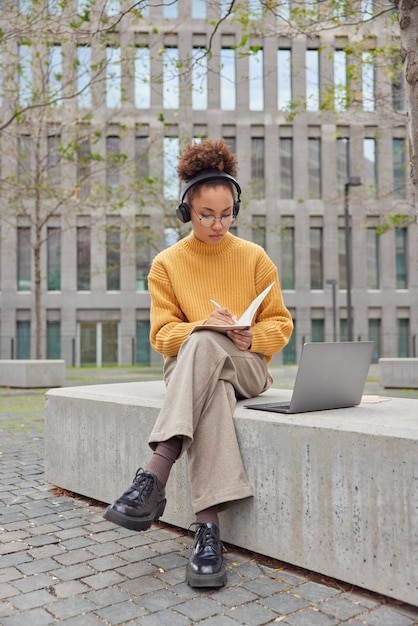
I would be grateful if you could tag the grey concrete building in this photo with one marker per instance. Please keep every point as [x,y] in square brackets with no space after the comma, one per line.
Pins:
[305,118]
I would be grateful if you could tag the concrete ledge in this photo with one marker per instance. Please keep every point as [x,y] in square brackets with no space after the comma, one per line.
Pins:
[336,492]
[399,373]
[30,373]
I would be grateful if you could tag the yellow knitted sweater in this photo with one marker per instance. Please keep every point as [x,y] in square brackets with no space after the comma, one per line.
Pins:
[184,277]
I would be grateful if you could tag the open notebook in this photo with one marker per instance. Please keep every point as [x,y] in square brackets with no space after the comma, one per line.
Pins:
[330,376]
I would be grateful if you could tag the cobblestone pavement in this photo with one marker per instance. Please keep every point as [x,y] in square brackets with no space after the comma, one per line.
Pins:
[61,562]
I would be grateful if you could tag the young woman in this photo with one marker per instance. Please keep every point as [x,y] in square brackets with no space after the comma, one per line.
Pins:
[206,371]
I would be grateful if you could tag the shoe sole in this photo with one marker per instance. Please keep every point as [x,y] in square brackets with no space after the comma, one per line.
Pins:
[134,523]
[206,580]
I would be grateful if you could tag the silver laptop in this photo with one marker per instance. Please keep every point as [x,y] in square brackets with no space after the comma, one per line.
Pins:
[330,376]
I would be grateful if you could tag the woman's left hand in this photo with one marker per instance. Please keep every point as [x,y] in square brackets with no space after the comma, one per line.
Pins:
[241,338]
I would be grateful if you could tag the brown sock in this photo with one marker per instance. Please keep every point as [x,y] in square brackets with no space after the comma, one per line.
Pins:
[208,516]
[165,455]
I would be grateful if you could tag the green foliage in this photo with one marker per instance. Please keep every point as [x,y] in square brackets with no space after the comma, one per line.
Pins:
[400,220]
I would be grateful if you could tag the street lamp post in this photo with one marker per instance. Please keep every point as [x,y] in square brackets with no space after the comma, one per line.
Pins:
[353,181]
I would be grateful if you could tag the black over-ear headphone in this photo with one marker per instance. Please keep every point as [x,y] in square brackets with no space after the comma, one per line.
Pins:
[183,209]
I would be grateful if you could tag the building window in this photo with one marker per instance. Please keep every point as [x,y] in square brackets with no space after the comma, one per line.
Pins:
[199,79]
[403,337]
[24,259]
[142,78]
[25,75]
[113,255]
[143,351]
[83,168]
[83,7]
[289,352]
[316,255]
[287,245]
[53,339]
[113,78]
[401,258]
[375,334]
[342,258]
[109,342]
[373,259]
[170,9]
[314,167]
[141,157]
[284,79]
[25,6]
[142,254]
[343,164]
[286,168]
[398,88]
[83,258]
[113,160]
[257,167]
[256,80]
[54,159]
[368,81]
[312,80]
[171,86]
[340,80]
[23,339]
[55,74]
[53,258]
[198,9]
[24,163]
[370,167]
[367,9]
[171,182]
[84,77]
[231,141]
[399,167]
[113,7]
[318,330]
[227,79]
[258,228]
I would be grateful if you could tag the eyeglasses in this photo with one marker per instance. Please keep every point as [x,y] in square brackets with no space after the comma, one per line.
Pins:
[208,220]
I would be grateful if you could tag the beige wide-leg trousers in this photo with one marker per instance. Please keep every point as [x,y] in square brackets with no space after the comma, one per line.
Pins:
[203,384]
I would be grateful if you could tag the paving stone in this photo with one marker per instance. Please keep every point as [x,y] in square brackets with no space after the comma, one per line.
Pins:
[342,607]
[316,592]
[32,600]
[253,614]
[159,600]
[385,616]
[165,618]
[198,608]
[102,580]
[285,603]
[70,607]
[36,617]
[311,617]
[122,612]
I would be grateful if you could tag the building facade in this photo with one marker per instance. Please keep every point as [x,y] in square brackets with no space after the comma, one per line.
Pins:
[309,118]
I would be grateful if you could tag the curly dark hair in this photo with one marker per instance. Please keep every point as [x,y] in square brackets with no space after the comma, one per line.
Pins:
[210,154]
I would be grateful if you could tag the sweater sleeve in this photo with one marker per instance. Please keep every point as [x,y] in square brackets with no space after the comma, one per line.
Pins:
[168,325]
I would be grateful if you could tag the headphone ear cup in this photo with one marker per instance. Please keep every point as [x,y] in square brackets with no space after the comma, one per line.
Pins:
[236,208]
[183,212]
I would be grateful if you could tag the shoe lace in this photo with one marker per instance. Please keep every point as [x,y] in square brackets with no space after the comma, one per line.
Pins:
[207,534]
[143,483]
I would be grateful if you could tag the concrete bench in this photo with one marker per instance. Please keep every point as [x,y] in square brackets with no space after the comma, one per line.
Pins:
[335,492]
[31,373]
[399,373]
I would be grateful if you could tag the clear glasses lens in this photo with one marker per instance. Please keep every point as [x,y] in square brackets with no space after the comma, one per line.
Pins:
[208,220]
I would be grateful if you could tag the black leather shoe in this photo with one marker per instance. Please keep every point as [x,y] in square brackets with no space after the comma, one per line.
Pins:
[142,504]
[205,567]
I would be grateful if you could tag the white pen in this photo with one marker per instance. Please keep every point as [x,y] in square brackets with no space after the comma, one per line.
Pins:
[215,304]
